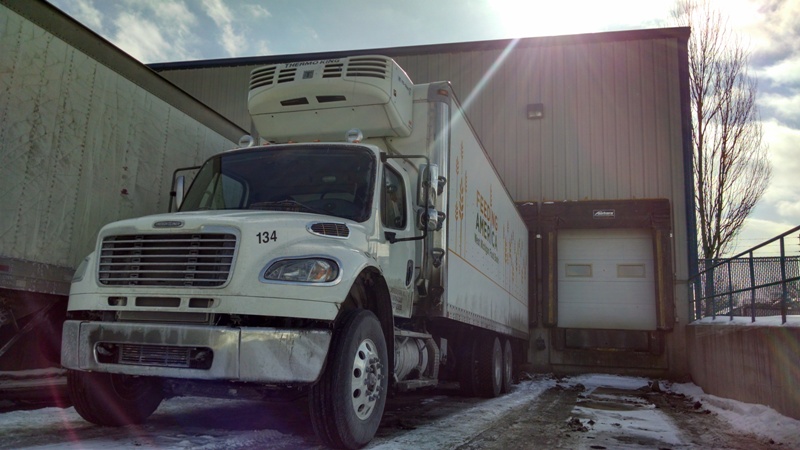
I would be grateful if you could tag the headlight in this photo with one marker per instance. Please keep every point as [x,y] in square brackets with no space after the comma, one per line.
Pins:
[312,270]
[81,270]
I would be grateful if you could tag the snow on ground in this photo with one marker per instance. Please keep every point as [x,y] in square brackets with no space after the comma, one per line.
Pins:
[182,423]
[765,321]
[759,420]
[452,431]
[642,422]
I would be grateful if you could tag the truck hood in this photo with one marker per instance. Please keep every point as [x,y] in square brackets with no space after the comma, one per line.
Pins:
[240,219]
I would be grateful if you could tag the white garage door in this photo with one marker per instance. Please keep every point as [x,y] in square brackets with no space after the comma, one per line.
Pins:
[605,279]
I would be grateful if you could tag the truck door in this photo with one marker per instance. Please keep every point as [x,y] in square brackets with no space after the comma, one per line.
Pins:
[398,259]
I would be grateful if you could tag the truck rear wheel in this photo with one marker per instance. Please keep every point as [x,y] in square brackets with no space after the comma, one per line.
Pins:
[508,366]
[468,369]
[490,366]
[346,405]
[113,400]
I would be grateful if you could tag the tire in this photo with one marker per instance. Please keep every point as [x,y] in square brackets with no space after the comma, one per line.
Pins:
[346,405]
[113,400]
[508,366]
[490,366]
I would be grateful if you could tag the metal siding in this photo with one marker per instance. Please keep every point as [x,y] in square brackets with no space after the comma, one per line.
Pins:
[615,123]
[518,87]
[649,120]
[584,143]
[596,123]
[611,128]
[572,157]
[635,101]
[546,139]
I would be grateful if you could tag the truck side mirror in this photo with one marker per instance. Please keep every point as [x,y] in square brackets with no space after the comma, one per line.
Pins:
[180,183]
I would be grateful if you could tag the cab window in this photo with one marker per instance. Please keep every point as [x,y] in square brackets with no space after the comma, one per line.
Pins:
[393,208]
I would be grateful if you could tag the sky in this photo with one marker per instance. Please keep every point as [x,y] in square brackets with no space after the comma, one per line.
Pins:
[182,422]
[180,30]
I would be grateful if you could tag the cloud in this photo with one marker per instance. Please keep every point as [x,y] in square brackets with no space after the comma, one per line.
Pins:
[783,193]
[148,30]
[784,72]
[757,231]
[779,208]
[88,14]
[775,35]
[141,38]
[262,48]
[84,12]
[258,11]
[783,105]
[233,42]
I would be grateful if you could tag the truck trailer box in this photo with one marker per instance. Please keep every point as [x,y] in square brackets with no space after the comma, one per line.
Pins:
[81,145]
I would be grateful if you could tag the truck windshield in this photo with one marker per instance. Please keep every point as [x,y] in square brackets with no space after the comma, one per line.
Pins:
[321,179]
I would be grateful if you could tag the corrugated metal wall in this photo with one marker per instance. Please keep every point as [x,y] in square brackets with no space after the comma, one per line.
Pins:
[80,146]
[612,125]
[615,127]
[611,116]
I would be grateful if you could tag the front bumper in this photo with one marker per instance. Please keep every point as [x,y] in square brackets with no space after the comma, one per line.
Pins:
[262,355]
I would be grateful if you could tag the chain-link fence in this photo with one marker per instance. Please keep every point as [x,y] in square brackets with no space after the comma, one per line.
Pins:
[748,286]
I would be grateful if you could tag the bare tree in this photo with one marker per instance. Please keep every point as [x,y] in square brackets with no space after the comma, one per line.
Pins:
[731,167]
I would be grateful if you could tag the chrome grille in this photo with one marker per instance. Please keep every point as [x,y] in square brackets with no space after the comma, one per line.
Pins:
[198,260]
[156,355]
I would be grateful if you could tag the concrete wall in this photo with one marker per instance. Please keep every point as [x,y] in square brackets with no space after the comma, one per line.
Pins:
[747,362]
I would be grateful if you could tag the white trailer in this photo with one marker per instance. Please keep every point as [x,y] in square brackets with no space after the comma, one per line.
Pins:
[368,244]
[81,145]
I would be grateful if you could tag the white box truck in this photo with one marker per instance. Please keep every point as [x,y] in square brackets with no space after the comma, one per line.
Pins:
[368,245]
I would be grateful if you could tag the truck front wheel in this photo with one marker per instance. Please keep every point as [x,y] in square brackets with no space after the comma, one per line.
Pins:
[113,400]
[347,403]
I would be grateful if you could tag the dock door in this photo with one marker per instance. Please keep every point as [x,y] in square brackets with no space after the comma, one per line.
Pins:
[606,279]
[604,291]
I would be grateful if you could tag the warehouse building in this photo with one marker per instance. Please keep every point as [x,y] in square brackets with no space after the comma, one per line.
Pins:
[590,134]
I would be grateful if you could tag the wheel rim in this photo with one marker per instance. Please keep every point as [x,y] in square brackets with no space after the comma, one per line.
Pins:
[366,379]
[128,387]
